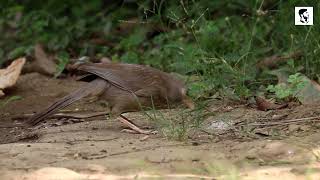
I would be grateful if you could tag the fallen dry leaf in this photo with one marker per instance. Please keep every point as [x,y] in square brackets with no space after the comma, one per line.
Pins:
[10,75]
[264,105]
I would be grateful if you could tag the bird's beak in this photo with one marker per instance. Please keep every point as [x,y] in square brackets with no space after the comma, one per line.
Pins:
[188,102]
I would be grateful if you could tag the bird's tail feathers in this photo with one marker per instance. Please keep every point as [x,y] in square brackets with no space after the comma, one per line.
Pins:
[91,88]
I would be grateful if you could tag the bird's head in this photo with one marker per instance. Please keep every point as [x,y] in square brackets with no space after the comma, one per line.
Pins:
[186,99]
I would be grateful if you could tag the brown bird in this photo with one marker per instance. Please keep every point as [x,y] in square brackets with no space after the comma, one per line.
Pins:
[126,88]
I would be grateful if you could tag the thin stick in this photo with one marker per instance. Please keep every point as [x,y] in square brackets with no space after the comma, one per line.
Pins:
[315,118]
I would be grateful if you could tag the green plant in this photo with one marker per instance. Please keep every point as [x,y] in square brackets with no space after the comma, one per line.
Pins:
[294,85]
[176,124]
[63,59]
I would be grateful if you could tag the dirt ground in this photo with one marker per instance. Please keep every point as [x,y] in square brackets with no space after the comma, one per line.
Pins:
[235,142]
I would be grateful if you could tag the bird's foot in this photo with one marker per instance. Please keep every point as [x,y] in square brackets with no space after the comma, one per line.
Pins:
[133,128]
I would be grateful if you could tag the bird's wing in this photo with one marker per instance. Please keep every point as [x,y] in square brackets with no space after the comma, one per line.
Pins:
[149,92]
[107,75]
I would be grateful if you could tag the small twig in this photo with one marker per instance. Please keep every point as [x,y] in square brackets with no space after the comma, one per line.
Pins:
[273,61]
[184,8]
[162,161]
[78,140]
[315,118]
[133,22]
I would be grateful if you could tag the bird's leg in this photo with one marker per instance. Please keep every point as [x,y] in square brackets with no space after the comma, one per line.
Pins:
[134,127]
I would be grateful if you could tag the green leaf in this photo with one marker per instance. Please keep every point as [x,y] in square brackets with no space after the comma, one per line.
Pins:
[10,99]
[19,51]
[130,57]
[63,60]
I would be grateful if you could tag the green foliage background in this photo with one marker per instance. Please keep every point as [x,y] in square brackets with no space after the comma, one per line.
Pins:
[216,43]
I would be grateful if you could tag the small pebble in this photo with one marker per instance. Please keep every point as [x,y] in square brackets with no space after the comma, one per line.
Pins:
[103,150]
